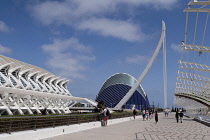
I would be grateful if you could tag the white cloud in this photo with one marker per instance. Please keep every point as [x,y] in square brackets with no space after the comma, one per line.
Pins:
[4,27]
[5,50]
[81,14]
[95,7]
[68,57]
[52,12]
[115,28]
[176,48]
[157,4]
[137,59]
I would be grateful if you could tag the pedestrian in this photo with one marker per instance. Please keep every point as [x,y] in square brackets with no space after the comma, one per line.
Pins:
[147,114]
[44,112]
[181,116]
[156,116]
[106,114]
[134,113]
[167,113]
[150,114]
[143,114]
[177,116]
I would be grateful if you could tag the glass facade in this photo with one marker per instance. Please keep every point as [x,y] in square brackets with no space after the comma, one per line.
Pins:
[116,87]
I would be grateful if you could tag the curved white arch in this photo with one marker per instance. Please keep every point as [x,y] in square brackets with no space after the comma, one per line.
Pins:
[133,89]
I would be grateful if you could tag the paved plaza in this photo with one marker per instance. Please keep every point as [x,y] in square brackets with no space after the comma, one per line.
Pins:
[166,129]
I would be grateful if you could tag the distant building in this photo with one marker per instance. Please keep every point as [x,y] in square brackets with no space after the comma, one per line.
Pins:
[116,87]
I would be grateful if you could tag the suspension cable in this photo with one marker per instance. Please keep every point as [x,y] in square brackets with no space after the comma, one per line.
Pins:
[207,17]
[186,29]
[195,30]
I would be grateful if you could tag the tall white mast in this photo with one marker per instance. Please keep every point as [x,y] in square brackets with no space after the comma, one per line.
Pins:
[164,73]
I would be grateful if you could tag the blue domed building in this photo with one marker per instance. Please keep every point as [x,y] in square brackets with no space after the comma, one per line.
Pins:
[116,87]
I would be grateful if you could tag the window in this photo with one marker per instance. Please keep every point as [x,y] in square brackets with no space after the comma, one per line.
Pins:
[25,75]
[40,86]
[2,80]
[32,84]
[24,84]
[13,81]
[5,70]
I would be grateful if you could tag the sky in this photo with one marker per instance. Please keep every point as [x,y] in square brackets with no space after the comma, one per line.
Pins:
[87,41]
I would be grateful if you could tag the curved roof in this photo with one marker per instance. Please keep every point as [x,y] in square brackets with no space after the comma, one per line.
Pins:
[122,78]
[24,66]
[25,76]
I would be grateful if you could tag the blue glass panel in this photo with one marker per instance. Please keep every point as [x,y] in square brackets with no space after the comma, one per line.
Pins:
[113,94]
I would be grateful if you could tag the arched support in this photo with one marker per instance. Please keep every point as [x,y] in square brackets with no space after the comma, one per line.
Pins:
[133,89]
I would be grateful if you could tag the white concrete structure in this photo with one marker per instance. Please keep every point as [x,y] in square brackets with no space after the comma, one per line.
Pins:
[27,89]
[192,86]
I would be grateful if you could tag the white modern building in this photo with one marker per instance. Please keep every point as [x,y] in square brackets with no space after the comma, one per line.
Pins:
[116,87]
[27,89]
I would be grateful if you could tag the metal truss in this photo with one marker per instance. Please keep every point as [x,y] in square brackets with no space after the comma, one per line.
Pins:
[195,48]
[192,76]
[193,88]
[194,66]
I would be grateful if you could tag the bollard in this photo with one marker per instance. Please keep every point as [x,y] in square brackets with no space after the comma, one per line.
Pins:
[10,126]
[53,124]
[136,136]
[35,124]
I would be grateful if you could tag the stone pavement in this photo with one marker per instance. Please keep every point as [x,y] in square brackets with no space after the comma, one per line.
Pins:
[166,129]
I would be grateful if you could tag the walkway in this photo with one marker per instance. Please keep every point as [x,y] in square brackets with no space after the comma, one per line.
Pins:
[166,129]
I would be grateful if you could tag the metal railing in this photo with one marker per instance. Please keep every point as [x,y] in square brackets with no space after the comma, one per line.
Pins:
[14,124]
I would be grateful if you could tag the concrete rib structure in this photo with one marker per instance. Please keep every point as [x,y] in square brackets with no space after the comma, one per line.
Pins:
[116,87]
[27,89]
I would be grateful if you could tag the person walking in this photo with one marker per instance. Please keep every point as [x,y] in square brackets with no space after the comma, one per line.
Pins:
[166,113]
[156,116]
[134,113]
[147,114]
[105,113]
[102,117]
[150,114]
[181,116]
[143,114]
[177,116]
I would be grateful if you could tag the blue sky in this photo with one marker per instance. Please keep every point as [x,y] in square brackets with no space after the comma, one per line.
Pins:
[87,41]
